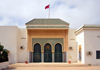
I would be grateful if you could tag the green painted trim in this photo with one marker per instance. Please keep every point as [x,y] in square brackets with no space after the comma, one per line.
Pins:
[91,26]
[85,26]
[43,41]
[47,21]
[46,27]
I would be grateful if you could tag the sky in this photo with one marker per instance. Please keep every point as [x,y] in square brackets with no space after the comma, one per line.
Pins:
[75,12]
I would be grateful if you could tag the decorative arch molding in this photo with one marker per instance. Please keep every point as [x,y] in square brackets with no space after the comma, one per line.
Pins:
[60,44]
[37,52]
[51,41]
[58,53]
[50,45]
[47,52]
[36,43]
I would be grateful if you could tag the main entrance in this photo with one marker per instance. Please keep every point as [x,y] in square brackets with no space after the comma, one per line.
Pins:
[47,53]
[58,53]
[37,53]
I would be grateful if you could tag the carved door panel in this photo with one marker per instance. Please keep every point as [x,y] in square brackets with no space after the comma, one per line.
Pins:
[58,53]
[47,53]
[37,53]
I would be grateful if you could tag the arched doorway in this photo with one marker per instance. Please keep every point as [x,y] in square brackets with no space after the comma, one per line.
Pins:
[47,53]
[58,53]
[37,53]
[80,56]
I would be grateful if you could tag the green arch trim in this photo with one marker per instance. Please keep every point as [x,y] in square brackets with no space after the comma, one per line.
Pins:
[52,42]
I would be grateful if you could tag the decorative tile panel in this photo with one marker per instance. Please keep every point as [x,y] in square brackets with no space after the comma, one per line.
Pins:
[52,41]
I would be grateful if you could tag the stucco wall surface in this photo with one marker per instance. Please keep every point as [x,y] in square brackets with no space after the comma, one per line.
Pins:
[92,43]
[72,43]
[80,41]
[8,38]
[22,53]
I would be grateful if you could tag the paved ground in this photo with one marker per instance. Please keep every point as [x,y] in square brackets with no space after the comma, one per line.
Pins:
[54,68]
[48,65]
[51,67]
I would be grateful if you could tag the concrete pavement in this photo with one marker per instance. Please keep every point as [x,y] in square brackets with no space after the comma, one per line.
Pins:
[48,65]
[51,66]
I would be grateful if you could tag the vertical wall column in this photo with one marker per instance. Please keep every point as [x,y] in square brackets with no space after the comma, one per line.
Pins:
[30,56]
[66,47]
[64,56]
[52,56]
[42,57]
[77,52]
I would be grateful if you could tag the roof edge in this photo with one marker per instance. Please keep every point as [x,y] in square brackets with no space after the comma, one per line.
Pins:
[87,26]
[44,19]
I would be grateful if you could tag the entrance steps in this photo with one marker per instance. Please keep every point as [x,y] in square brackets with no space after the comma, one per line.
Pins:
[48,65]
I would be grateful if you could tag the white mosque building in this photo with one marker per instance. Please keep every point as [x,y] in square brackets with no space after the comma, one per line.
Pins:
[51,40]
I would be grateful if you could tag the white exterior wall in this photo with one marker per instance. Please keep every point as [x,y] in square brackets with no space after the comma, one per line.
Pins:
[80,41]
[11,37]
[92,43]
[4,65]
[72,43]
[22,54]
[8,38]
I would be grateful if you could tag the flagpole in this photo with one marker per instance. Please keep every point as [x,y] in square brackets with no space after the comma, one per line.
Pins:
[49,12]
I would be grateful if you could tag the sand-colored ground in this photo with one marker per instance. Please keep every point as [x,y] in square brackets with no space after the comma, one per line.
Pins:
[51,66]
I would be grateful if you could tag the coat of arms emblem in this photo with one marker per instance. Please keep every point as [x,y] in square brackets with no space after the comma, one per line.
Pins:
[47,47]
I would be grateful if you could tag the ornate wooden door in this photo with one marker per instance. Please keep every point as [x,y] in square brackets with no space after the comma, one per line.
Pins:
[58,53]
[37,53]
[47,53]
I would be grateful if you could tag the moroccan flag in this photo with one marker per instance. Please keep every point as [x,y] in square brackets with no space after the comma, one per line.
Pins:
[47,6]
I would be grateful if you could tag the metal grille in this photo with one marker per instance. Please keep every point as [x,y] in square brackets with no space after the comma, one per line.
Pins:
[37,57]
[48,57]
[58,57]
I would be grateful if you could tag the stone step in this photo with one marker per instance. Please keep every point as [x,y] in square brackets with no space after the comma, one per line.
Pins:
[48,65]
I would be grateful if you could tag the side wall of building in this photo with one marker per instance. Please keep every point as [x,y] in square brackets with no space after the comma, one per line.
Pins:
[72,43]
[8,38]
[92,43]
[22,53]
[80,42]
